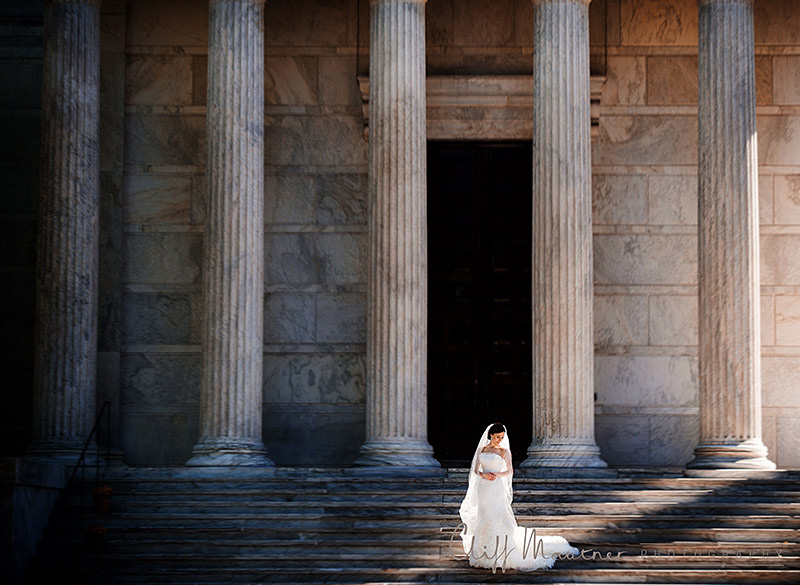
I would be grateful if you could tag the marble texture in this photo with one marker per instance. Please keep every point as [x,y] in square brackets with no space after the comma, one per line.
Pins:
[233,262]
[165,140]
[672,200]
[788,441]
[316,258]
[626,81]
[142,436]
[65,350]
[777,23]
[336,87]
[291,80]
[620,320]
[728,268]
[786,80]
[342,198]
[158,198]
[780,262]
[673,438]
[290,199]
[308,23]
[764,80]
[289,318]
[779,140]
[306,425]
[673,320]
[787,199]
[787,320]
[675,22]
[622,437]
[646,380]
[780,379]
[160,379]
[646,139]
[671,80]
[396,408]
[619,199]
[162,258]
[159,318]
[767,321]
[170,23]
[342,318]
[645,259]
[332,378]
[563,381]
[158,80]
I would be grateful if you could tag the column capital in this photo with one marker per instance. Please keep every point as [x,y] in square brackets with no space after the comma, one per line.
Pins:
[236,1]
[705,2]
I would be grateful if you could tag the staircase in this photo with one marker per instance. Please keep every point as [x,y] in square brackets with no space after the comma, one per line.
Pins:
[324,525]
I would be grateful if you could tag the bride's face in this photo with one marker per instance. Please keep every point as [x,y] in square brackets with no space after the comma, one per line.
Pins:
[496,438]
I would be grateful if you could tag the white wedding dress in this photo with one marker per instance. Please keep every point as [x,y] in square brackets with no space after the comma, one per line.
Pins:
[491,538]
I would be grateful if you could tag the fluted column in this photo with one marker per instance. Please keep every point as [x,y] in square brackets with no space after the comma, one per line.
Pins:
[563,349]
[729,321]
[397,290]
[67,245]
[233,287]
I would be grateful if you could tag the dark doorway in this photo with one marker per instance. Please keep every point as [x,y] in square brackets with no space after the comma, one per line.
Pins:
[479,291]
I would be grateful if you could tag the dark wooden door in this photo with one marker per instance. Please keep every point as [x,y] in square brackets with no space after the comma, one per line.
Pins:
[479,289]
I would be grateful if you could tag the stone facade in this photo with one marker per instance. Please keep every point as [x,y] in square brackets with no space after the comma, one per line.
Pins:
[153,155]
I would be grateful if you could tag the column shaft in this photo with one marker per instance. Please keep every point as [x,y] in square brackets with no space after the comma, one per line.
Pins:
[729,322]
[67,245]
[397,288]
[233,287]
[563,350]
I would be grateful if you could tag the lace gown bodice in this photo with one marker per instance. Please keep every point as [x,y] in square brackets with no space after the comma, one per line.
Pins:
[492,462]
[497,541]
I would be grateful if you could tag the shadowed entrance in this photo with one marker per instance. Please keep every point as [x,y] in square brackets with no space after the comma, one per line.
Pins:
[479,290]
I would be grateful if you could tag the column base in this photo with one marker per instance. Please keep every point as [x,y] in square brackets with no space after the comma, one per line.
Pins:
[750,454]
[406,454]
[62,453]
[229,453]
[563,455]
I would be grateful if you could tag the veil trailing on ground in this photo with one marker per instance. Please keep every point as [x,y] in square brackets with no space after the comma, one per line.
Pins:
[469,507]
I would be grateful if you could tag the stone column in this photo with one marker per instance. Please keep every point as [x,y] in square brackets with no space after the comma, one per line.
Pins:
[397,289]
[233,285]
[67,245]
[563,347]
[729,320]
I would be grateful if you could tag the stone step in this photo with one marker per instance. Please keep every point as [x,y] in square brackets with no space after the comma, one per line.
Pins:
[319,552]
[445,495]
[315,526]
[335,524]
[425,507]
[577,534]
[113,573]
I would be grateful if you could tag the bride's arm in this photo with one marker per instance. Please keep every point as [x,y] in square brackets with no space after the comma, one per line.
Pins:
[509,469]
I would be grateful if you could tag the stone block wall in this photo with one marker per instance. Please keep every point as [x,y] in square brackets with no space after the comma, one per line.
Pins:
[645,226]
[154,60]
[315,242]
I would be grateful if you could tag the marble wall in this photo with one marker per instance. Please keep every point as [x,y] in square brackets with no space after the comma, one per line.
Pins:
[315,241]
[153,206]
[645,214]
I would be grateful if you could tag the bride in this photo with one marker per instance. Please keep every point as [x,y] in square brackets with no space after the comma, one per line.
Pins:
[491,536]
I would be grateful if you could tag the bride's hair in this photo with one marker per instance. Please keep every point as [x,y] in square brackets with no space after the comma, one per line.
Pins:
[495,428]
